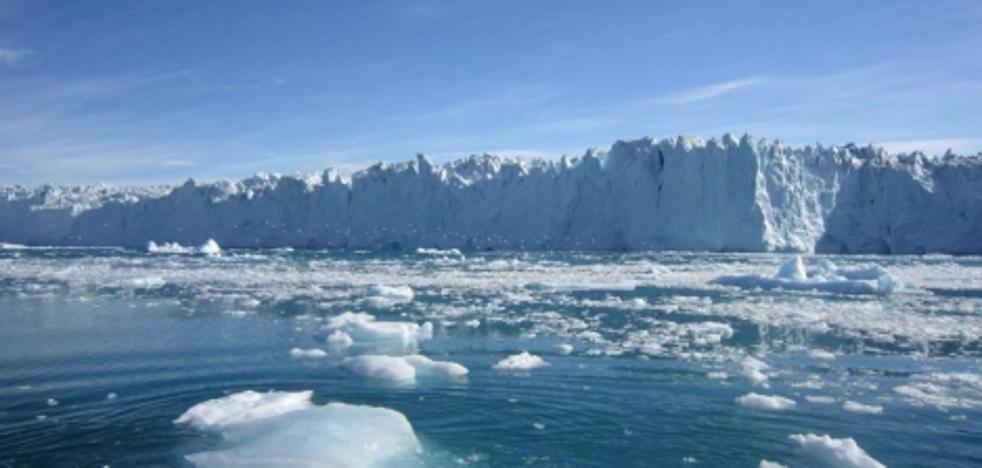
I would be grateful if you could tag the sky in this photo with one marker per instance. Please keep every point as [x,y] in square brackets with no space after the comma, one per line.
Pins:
[141,92]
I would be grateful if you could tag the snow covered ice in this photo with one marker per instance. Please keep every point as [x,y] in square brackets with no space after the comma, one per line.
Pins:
[724,194]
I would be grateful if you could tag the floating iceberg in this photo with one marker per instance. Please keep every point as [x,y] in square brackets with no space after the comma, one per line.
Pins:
[312,353]
[521,361]
[285,429]
[382,296]
[839,453]
[351,328]
[402,369]
[210,247]
[824,276]
[679,193]
[766,402]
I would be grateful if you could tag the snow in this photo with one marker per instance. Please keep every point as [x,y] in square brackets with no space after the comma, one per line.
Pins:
[824,276]
[856,407]
[680,193]
[766,402]
[285,429]
[831,452]
[402,369]
[312,353]
[521,361]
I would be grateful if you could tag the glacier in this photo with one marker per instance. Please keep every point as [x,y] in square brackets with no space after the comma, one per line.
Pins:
[679,193]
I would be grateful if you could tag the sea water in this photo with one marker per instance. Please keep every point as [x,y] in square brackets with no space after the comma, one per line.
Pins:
[642,360]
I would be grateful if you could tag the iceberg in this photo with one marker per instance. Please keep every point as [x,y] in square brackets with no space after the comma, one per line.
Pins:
[286,429]
[827,451]
[402,369]
[824,276]
[520,362]
[766,402]
[353,329]
[680,193]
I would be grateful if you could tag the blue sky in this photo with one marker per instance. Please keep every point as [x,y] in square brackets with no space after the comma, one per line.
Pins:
[159,91]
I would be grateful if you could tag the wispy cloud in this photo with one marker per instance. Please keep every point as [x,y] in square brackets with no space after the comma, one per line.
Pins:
[10,57]
[703,93]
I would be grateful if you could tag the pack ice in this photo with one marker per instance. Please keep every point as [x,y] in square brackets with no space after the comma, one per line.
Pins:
[724,194]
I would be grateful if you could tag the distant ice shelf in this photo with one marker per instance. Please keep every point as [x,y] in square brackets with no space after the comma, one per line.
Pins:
[680,193]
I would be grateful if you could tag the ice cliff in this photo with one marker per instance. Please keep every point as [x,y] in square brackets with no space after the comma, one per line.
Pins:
[681,193]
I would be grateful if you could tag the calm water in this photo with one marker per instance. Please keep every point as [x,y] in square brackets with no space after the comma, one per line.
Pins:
[124,342]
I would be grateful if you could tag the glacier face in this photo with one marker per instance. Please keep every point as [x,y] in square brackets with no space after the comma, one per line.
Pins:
[680,193]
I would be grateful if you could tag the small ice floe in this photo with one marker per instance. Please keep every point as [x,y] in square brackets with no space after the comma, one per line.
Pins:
[539,426]
[943,390]
[753,369]
[383,296]
[827,451]
[362,329]
[439,252]
[766,402]
[312,353]
[210,248]
[821,355]
[564,348]
[856,407]
[820,400]
[717,375]
[770,464]
[52,402]
[339,339]
[824,276]
[689,460]
[145,282]
[287,429]
[520,361]
[6,246]
[402,369]
[238,313]
[111,396]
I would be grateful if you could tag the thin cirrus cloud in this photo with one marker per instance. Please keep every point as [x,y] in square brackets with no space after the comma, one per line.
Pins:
[11,56]
[707,92]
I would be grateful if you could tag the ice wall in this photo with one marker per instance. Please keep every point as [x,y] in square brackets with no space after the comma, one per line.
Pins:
[726,194]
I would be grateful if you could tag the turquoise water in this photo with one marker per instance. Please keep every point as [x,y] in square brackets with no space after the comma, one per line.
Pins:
[124,342]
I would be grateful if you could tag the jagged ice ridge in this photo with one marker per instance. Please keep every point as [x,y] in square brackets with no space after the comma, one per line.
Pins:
[680,193]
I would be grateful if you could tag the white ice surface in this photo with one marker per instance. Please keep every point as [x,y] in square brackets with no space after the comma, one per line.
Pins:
[284,429]
[824,276]
[830,452]
[402,369]
[521,361]
[311,353]
[766,402]
[680,193]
